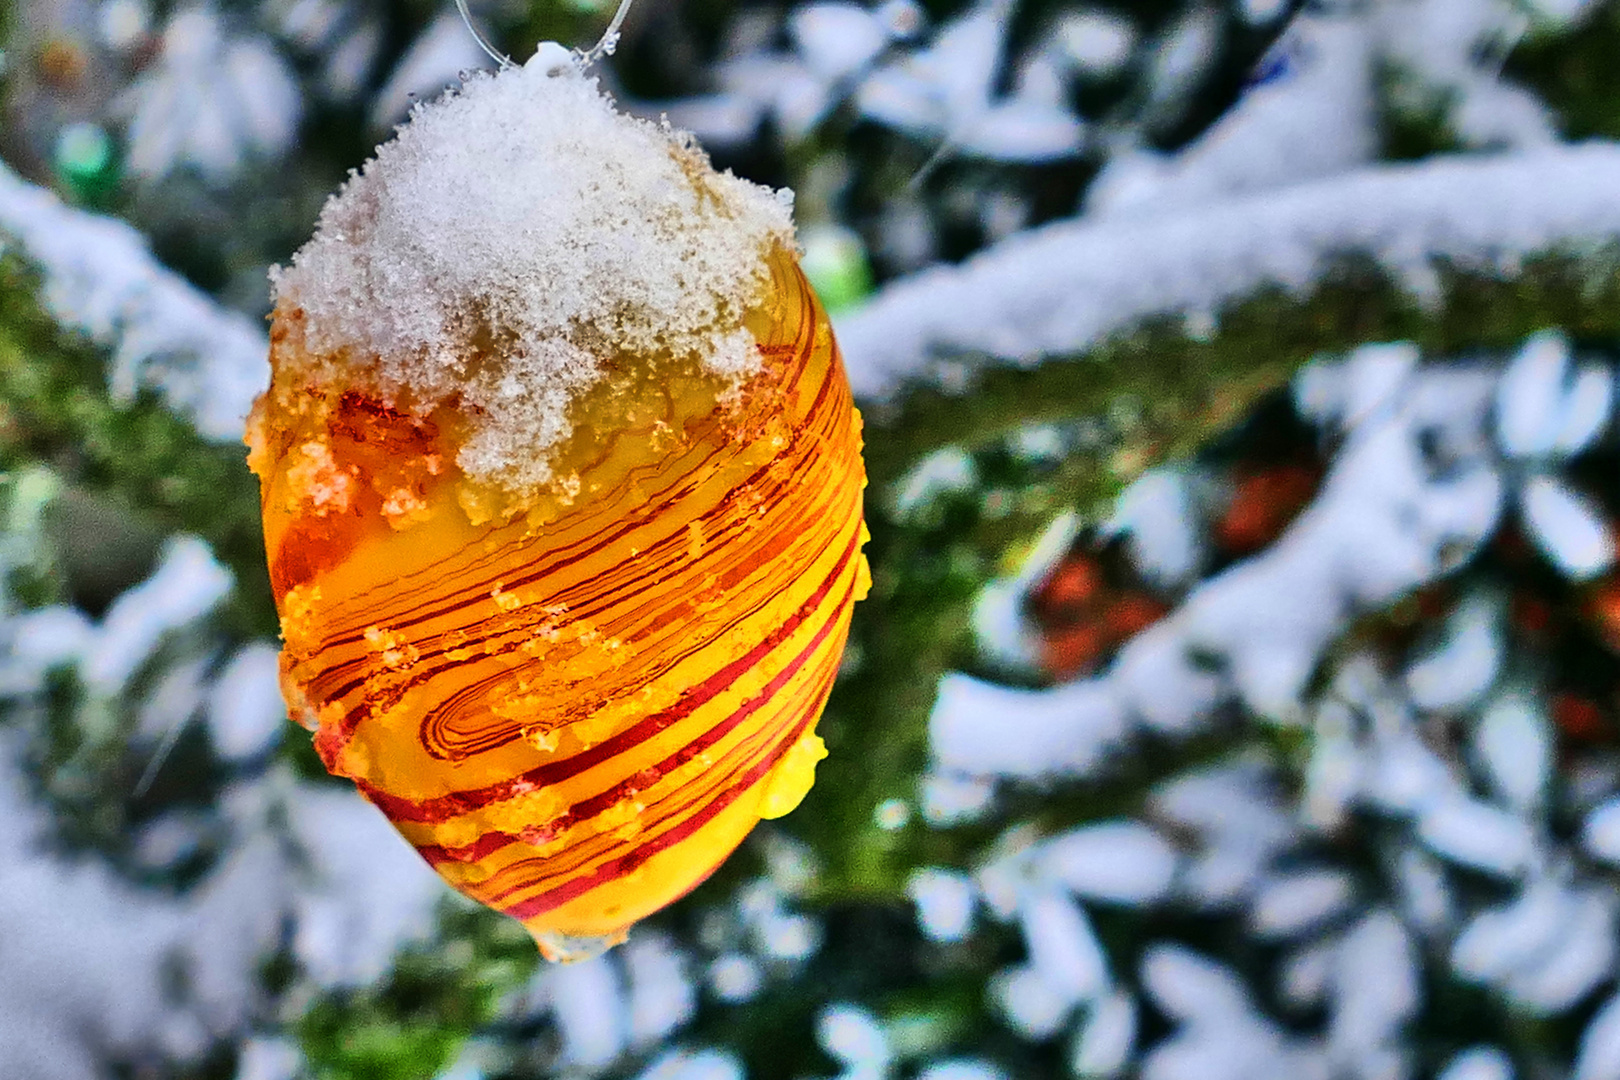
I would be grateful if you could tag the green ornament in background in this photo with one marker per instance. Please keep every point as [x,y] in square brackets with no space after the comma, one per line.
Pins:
[835,262]
[85,162]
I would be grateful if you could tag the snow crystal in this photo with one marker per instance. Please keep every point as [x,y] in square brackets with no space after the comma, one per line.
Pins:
[735,977]
[1477,834]
[662,998]
[961,1069]
[1568,527]
[245,711]
[186,586]
[1464,667]
[525,210]
[1029,1002]
[1106,1037]
[587,1002]
[944,900]
[1514,743]
[1063,949]
[1478,1063]
[1121,861]
[1599,1054]
[852,1035]
[1292,903]
[694,1065]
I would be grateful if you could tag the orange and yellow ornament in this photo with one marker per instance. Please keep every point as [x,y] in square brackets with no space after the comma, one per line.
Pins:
[562,501]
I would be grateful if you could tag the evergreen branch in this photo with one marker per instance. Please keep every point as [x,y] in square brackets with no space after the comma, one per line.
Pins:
[1428,249]
[153,465]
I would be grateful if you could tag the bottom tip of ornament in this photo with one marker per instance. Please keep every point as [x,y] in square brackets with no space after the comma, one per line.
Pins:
[572,948]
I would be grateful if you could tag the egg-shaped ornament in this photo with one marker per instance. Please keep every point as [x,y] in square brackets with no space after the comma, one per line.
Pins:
[562,501]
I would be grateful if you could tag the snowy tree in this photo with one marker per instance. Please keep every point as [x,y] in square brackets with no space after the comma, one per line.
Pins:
[1237,695]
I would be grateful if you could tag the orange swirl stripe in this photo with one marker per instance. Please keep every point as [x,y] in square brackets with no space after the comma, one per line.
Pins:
[575,709]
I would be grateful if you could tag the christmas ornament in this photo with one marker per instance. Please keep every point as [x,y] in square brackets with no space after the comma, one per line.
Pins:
[561,489]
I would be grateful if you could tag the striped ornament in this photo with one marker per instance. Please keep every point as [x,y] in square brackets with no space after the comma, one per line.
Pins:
[577,712]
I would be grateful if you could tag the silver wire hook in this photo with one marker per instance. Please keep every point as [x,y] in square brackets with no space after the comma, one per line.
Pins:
[610,37]
[494,54]
[604,47]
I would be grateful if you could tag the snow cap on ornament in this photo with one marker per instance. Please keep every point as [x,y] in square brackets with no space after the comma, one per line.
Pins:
[524,216]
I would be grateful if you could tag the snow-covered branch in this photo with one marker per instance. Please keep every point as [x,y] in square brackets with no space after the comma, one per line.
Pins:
[163,333]
[1069,287]
[1384,524]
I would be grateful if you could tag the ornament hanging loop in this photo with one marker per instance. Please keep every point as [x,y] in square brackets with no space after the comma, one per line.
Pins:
[584,59]
[610,37]
[500,58]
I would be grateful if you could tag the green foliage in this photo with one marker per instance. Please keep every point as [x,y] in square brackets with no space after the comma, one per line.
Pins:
[411,1023]
[1414,118]
[137,463]
[1574,72]
[1151,395]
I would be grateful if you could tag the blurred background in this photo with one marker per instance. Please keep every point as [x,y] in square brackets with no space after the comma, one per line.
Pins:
[1237,697]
